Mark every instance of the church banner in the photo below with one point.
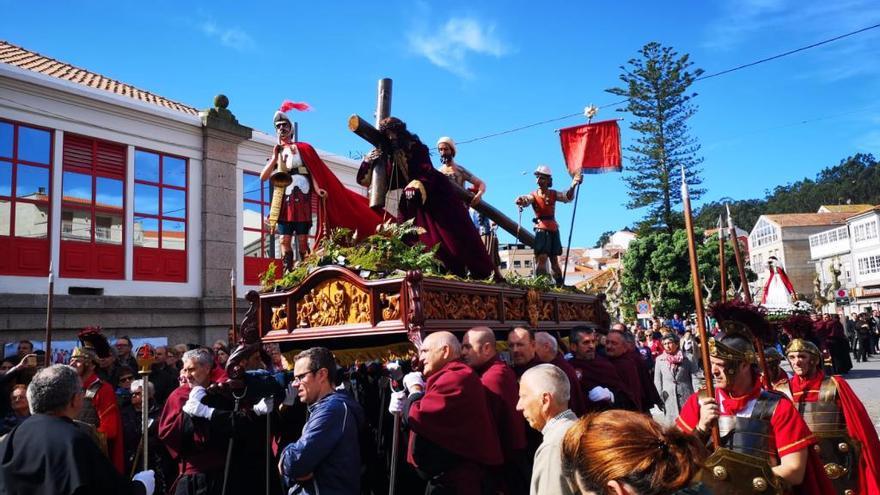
(592, 148)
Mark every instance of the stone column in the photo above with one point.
(222, 135)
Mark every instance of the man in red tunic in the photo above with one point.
(598, 377)
(478, 350)
(99, 405)
(548, 352)
(543, 200)
(453, 442)
(848, 443)
(650, 395)
(764, 441)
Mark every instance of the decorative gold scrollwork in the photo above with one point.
(334, 302)
(391, 306)
(460, 306)
(279, 318)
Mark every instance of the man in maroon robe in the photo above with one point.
(548, 352)
(598, 377)
(200, 451)
(523, 350)
(429, 199)
(628, 370)
(453, 442)
(478, 350)
(650, 396)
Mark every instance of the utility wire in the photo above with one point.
(701, 78)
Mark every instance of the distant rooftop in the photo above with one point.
(844, 208)
(25, 59)
(808, 219)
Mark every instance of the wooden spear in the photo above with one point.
(747, 297)
(740, 266)
(47, 361)
(698, 298)
(722, 268)
(234, 309)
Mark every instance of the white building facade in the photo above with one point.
(142, 206)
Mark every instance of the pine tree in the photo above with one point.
(657, 87)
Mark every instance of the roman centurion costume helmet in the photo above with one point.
(93, 345)
(741, 323)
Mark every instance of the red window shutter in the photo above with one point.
(78, 154)
(110, 160)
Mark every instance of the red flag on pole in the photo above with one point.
(592, 148)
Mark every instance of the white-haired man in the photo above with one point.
(548, 352)
(50, 454)
(543, 400)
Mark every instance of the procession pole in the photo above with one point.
(698, 298)
(146, 356)
(48, 357)
(577, 191)
(740, 266)
(722, 265)
(234, 309)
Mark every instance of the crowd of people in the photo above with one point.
(533, 413)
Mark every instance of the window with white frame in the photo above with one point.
(758, 263)
(865, 231)
(764, 233)
(869, 265)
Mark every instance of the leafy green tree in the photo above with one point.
(604, 238)
(656, 268)
(657, 87)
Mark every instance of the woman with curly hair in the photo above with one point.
(628, 453)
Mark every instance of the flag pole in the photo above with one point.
(577, 191)
(698, 298)
(722, 266)
(234, 309)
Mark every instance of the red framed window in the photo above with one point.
(25, 198)
(92, 208)
(160, 216)
(260, 248)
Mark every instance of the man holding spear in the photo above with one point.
(760, 441)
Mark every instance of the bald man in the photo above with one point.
(548, 352)
(523, 350)
(478, 350)
(453, 443)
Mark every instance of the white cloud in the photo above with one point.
(232, 37)
(450, 47)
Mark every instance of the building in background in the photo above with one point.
(142, 205)
(786, 236)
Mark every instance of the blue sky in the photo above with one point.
(468, 69)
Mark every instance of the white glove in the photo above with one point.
(395, 406)
(413, 378)
(148, 478)
(599, 394)
(290, 395)
(197, 393)
(197, 410)
(265, 406)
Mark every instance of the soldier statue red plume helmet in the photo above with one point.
(286, 106)
(800, 328)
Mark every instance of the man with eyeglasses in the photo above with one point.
(326, 459)
(124, 356)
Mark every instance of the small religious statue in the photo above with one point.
(296, 171)
(543, 201)
(778, 291)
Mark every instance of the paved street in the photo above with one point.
(865, 380)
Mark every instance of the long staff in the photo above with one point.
(146, 356)
(48, 358)
(722, 265)
(747, 297)
(698, 298)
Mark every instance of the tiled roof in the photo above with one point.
(25, 59)
(808, 219)
(865, 209)
(845, 208)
